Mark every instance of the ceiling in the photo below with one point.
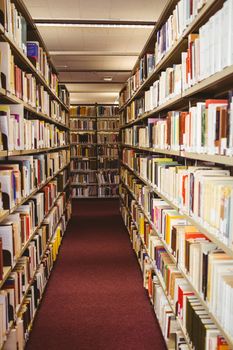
(84, 56)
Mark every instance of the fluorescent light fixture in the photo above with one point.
(87, 25)
(107, 78)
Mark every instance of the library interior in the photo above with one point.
(116, 175)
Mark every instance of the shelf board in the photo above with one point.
(35, 151)
(82, 171)
(82, 131)
(83, 144)
(153, 150)
(213, 158)
(79, 184)
(82, 117)
(107, 184)
(83, 157)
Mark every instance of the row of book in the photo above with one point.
(210, 50)
(108, 163)
(173, 29)
(94, 111)
(22, 291)
(108, 191)
(108, 138)
(85, 178)
(19, 133)
(15, 26)
(63, 94)
(194, 66)
(205, 128)
(108, 177)
(107, 111)
(18, 228)
(83, 151)
(93, 165)
(83, 137)
(81, 124)
(94, 191)
(108, 150)
(93, 137)
(201, 332)
(101, 177)
(83, 111)
(83, 164)
(105, 125)
(166, 37)
(22, 175)
(203, 192)
(170, 328)
(88, 191)
(25, 86)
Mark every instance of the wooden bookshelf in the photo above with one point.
(58, 97)
(212, 87)
(99, 132)
(197, 293)
(208, 9)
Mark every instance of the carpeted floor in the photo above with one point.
(95, 298)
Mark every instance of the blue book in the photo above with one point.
(33, 50)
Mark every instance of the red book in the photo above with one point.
(208, 102)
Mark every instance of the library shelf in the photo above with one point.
(201, 227)
(168, 250)
(207, 10)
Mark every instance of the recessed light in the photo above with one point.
(107, 78)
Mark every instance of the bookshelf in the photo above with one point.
(35, 201)
(168, 150)
(94, 151)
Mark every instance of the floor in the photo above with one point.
(95, 298)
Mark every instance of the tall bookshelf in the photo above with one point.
(176, 188)
(35, 202)
(94, 151)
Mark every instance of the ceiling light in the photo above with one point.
(92, 25)
(107, 78)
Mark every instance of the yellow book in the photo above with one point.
(172, 218)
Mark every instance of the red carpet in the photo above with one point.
(95, 299)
